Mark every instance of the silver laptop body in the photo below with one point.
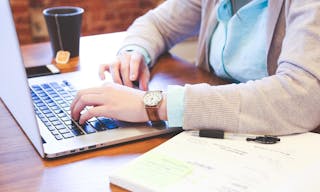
(16, 95)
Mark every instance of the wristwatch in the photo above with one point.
(152, 101)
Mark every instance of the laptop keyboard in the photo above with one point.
(52, 105)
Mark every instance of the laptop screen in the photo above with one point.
(14, 90)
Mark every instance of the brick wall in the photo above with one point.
(101, 16)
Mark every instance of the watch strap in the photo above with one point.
(152, 112)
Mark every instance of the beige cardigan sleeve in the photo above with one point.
(163, 27)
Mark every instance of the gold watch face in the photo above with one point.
(152, 98)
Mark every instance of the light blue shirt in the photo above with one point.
(238, 45)
(237, 50)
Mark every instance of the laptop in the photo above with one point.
(40, 105)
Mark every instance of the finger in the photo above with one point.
(85, 101)
(144, 80)
(115, 71)
(124, 69)
(98, 111)
(84, 92)
(135, 62)
(102, 69)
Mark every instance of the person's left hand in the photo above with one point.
(112, 101)
(128, 67)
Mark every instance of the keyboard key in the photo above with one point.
(88, 128)
(48, 115)
(108, 123)
(36, 87)
(65, 105)
(60, 126)
(67, 135)
(58, 137)
(56, 123)
(69, 122)
(75, 130)
(46, 111)
(65, 119)
(62, 131)
(41, 116)
(44, 107)
(55, 132)
(50, 127)
(61, 113)
(54, 107)
(53, 118)
(40, 104)
(98, 126)
(47, 123)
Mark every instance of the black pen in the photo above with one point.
(220, 134)
(212, 133)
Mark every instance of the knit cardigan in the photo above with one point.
(285, 102)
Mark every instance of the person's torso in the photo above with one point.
(237, 49)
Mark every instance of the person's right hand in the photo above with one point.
(127, 68)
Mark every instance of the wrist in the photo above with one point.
(163, 107)
(144, 115)
(155, 105)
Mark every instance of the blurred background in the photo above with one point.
(101, 16)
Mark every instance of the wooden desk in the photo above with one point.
(22, 169)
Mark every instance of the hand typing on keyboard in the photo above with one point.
(52, 106)
(113, 101)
